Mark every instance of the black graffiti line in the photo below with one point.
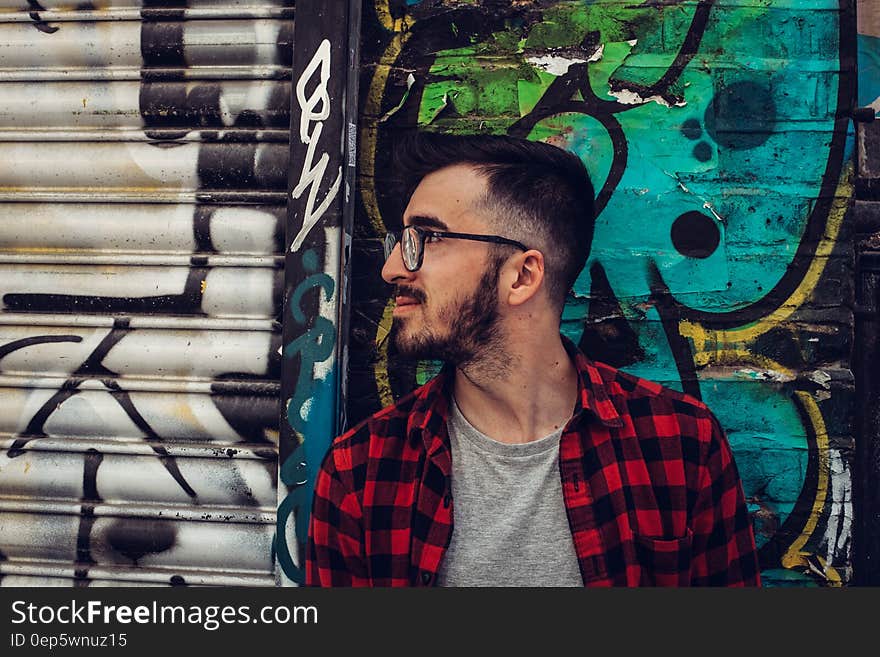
(34, 427)
(94, 363)
(202, 216)
(770, 554)
(91, 463)
(169, 462)
(689, 48)
(39, 23)
(608, 335)
(670, 317)
(187, 301)
(619, 160)
(93, 459)
(557, 99)
(619, 144)
(15, 345)
(91, 367)
(83, 536)
(595, 106)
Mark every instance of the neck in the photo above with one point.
(521, 393)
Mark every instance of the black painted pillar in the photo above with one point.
(316, 279)
(866, 357)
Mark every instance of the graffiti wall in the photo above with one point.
(719, 138)
(143, 172)
(182, 331)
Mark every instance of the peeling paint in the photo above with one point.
(410, 81)
(629, 97)
(559, 64)
(821, 377)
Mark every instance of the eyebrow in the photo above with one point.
(423, 221)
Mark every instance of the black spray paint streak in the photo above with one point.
(170, 464)
(136, 539)
(188, 302)
(39, 23)
(558, 99)
(771, 553)
(15, 345)
(608, 336)
(689, 48)
(92, 368)
(90, 497)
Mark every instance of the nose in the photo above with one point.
(393, 271)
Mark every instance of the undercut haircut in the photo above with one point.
(537, 194)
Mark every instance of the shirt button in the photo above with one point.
(426, 577)
(447, 500)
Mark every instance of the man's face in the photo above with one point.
(448, 309)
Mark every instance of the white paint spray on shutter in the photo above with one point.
(143, 176)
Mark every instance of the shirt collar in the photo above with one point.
(430, 409)
(592, 389)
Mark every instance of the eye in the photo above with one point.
(434, 237)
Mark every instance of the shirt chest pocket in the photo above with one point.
(664, 561)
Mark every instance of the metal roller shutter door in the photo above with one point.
(143, 171)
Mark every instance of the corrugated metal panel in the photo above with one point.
(143, 176)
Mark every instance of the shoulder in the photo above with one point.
(388, 434)
(656, 410)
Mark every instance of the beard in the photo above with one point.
(474, 326)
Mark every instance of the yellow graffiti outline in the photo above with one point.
(733, 357)
(367, 159)
(383, 384)
(702, 336)
(372, 107)
(795, 556)
(723, 351)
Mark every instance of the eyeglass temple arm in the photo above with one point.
(483, 238)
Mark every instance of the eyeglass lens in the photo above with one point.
(410, 243)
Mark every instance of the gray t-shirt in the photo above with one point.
(510, 527)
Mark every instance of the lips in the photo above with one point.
(407, 297)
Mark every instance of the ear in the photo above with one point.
(525, 277)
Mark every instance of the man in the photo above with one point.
(522, 463)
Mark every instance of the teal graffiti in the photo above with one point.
(293, 475)
(299, 471)
(310, 412)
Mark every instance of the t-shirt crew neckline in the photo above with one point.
(487, 444)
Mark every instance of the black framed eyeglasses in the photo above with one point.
(412, 243)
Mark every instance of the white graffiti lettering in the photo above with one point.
(314, 109)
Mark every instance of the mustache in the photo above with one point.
(406, 291)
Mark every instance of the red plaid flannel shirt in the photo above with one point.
(651, 490)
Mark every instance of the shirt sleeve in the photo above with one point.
(724, 550)
(335, 548)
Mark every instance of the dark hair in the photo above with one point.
(537, 194)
